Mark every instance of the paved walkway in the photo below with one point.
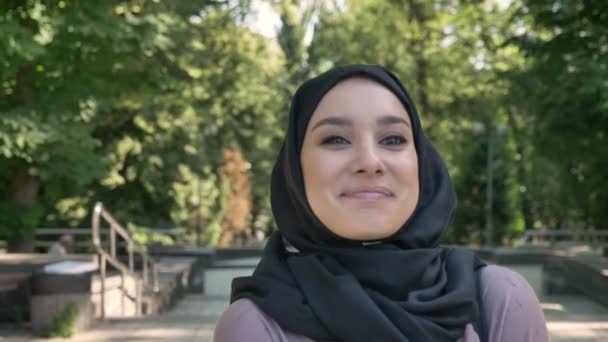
(575, 319)
(569, 318)
(193, 319)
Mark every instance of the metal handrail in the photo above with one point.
(106, 257)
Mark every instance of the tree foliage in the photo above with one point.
(135, 103)
(563, 87)
(129, 103)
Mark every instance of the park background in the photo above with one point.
(172, 112)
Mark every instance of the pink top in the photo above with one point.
(511, 312)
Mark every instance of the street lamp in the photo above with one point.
(480, 129)
(199, 228)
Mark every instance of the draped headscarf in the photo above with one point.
(329, 288)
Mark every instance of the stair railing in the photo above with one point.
(148, 264)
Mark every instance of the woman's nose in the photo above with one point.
(367, 159)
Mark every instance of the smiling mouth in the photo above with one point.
(368, 193)
(368, 196)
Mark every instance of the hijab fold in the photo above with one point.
(403, 288)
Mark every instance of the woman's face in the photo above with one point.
(359, 161)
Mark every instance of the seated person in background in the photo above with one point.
(63, 246)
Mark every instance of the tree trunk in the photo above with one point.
(418, 14)
(25, 189)
(522, 175)
(421, 80)
(25, 194)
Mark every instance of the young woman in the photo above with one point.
(361, 199)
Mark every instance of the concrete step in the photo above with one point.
(120, 295)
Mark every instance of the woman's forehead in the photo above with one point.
(361, 98)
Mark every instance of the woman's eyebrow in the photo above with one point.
(392, 119)
(381, 121)
(333, 120)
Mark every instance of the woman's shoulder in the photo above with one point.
(510, 307)
(499, 284)
(243, 320)
(499, 278)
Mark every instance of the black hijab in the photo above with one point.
(404, 288)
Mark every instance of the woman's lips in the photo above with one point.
(367, 193)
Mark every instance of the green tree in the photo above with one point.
(165, 146)
(55, 57)
(129, 103)
(563, 89)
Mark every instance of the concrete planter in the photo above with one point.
(53, 293)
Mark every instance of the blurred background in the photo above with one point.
(171, 113)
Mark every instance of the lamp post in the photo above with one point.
(480, 129)
(199, 227)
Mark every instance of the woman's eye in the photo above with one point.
(394, 140)
(334, 140)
